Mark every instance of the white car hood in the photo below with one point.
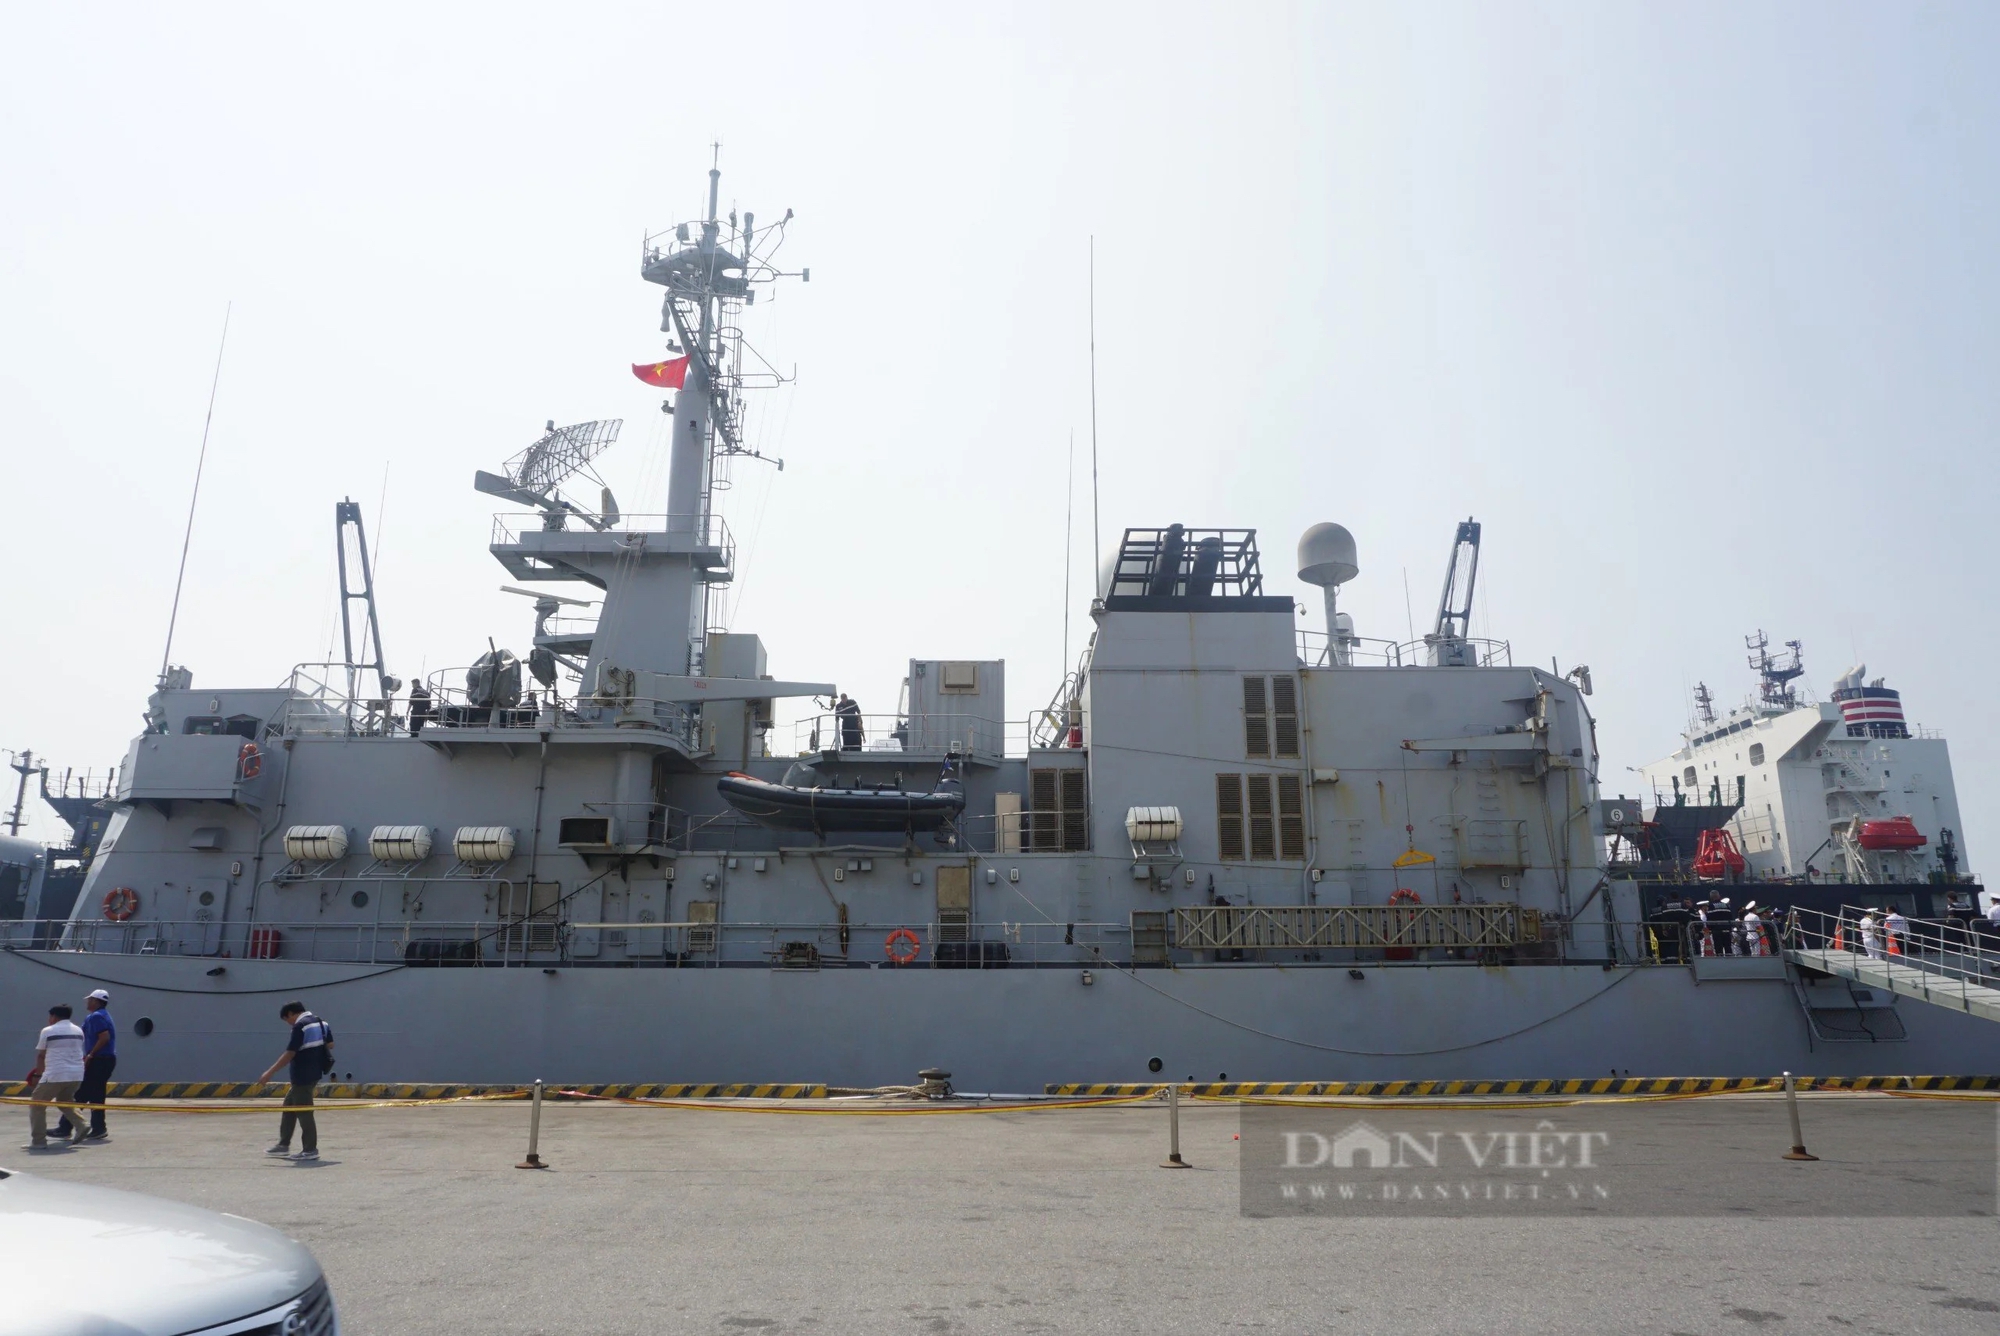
(100, 1262)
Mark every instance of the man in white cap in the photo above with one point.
(100, 1055)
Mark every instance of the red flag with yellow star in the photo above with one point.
(669, 375)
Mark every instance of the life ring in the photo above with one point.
(1403, 895)
(905, 937)
(120, 903)
(249, 761)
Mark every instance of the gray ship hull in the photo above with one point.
(996, 1030)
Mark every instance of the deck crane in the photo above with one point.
(1447, 645)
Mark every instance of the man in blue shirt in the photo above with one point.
(100, 1056)
(310, 1054)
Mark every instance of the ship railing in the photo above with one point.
(939, 941)
(514, 527)
(320, 704)
(1966, 950)
(557, 628)
(872, 737)
(1680, 941)
(453, 707)
(1317, 650)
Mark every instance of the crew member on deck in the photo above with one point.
(849, 715)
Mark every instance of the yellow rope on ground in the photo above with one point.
(1485, 1102)
(876, 1111)
(155, 1106)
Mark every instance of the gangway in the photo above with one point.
(1946, 964)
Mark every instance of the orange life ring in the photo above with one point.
(1403, 895)
(249, 761)
(120, 903)
(907, 938)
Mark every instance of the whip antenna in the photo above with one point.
(200, 461)
(1096, 534)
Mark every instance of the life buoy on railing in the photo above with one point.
(120, 903)
(902, 937)
(1403, 895)
(249, 761)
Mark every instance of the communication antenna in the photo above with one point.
(1704, 701)
(1096, 533)
(1776, 672)
(532, 476)
(201, 460)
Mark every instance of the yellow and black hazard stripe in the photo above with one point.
(1603, 1085)
(426, 1091)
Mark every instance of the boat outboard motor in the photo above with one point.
(1167, 570)
(1207, 562)
(494, 681)
(803, 775)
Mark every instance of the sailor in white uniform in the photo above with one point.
(1871, 935)
(1753, 931)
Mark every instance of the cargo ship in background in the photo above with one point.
(1227, 848)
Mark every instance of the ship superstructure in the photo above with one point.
(1841, 789)
(1226, 847)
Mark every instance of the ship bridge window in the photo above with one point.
(211, 725)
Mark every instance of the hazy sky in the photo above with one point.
(1691, 305)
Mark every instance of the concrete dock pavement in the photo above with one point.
(692, 1220)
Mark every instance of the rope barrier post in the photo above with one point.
(1798, 1150)
(534, 1161)
(1174, 1160)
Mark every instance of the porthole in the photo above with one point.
(1756, 753)
(359, 899)
(143, 1026)
(207, 897)
(1154, 1064)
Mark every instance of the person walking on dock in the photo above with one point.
(58, 1070)
(310, 1053)
(100, 1056)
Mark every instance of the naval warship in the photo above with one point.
(1228, 847)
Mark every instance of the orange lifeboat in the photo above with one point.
(1896, 832)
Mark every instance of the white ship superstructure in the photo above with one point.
(1842, 790)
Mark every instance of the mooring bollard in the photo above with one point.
(1174, 1160)
(534, 1161)
(1798, 1150)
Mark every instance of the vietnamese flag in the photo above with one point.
(669, 375)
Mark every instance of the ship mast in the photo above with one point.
(710, 269)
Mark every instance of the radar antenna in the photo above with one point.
(563, 452)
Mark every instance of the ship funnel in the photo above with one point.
(1327, 558)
